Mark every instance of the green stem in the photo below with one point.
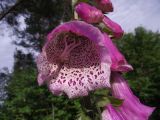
(74, 12)
(87, 107)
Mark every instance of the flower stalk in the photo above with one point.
(75, 15)
(79, 58)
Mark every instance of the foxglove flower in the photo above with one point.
(119, 62)
(110, 113)
(74, 60)
(114, 27)
(104, 5)
(88, 13)
(131, 106)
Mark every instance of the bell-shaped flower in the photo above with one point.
(88, 13)
(114, 27)
(104, 5)
(131, 107)
(119, 62)
(74, 60)
(110, 113)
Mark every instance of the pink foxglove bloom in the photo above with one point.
(119, 62)
(74, 60)
(110, 113)
(104, 5)
(131, 108)
(114, 27)
(88, 13)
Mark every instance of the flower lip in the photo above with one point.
(78, 27)
(88, 65)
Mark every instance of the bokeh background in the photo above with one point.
(24, 25)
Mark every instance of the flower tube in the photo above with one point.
(74, 60)
(119, 62)
(110, 113)
(114, 27)
(131, 107)
(88, 13)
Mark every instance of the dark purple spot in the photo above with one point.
(91, 72)
(69, 84)
(59, 81)
(70, 80)
(74, 83)
(64, 81)
(95, 76)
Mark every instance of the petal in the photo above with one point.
(114, 27)
(89, 64)
(44, 68)
(89, 13)
(131, 107)
(119, 62)
(104, 5)
(110, 113)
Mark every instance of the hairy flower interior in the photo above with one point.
(64, 57)
(71, 51)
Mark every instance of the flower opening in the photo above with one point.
(74, 61)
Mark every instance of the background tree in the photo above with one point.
(4, 79)
(41, 16)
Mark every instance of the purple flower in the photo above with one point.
(119, 62)
(110, 113)
(89, 13)
(114, 27)
(131, 107)
(104, 5)
(74, 60)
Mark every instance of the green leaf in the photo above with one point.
(115, 102)
(82, 116)
(101, 92)
(103, 27)
(83, 0)
(103, 102)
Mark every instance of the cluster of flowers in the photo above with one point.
(79, 57)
